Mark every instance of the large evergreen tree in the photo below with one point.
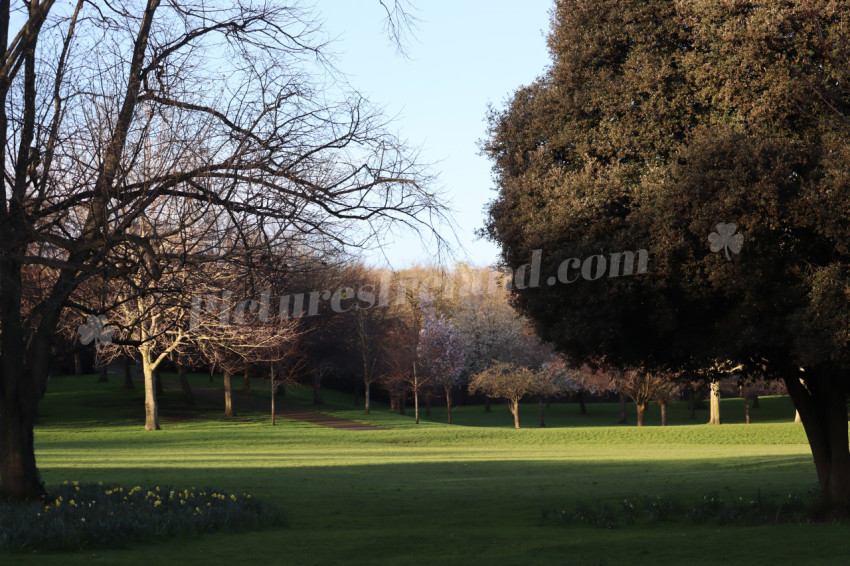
(657, 121)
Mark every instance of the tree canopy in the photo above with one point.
(658, 124)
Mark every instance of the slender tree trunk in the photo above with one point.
(663, 405)
(184, 385)
(228, 396)
(151, 405)
(246, 381)
(747, 409)
(515, 411)
(78, 364)
(540, 412)
(128, 375)
(449, 404)
(623, 416)
(641, 412)
(692, 402)
(714, 418)
(393, 402)
(416, 403)
(366, 397)
(102, 376)
(273, 387)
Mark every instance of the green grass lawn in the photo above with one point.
(470, 493)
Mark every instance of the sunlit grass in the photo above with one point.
(462, 494)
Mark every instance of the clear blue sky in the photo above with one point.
(465, 54)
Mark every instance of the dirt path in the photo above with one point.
(262, 405)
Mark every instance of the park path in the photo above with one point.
(262, 405)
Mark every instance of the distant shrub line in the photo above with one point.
(711, 509)
(96, 516)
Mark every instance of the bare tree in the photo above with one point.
(89, 88)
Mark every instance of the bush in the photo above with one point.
(709, 509)
(98, 516)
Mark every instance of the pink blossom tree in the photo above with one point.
(440, 350)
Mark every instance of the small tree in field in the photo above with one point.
(507, 381)
(440, 351)
(553, 379)
(642, 387)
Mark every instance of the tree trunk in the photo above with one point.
(228, 396)
(747, 409)
(23, 381)
(367, 386)
(416, 403)
(246, 381)
(151, 406)
(102, 376)
(692, 403)
(20, 477)
(184, 385)
(515, 411)
(158, 383)
(449, 404)
(128, 375)
(317, 389)
(540, 413)
(663, 405)
(714, 418)
(822, 404)
(78, 364)
(272, 387)
(623, 416)
(641, 412)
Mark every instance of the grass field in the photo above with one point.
(470, 493)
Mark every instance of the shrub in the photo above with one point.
(97, 516)
(709, 509)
